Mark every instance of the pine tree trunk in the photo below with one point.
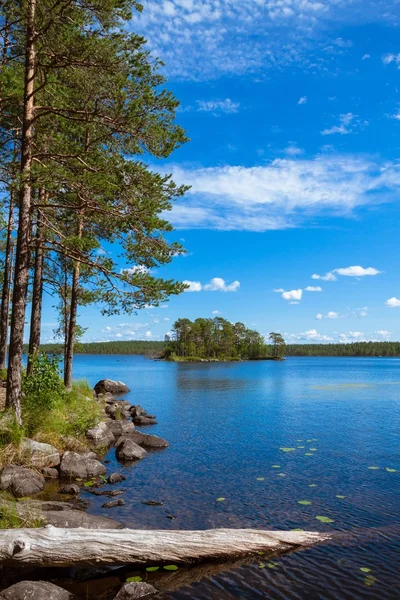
(5, 299)
(72, 317)
(37, 291)
(14, 381)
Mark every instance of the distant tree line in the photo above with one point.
(353, 349)
(139, 347)
(215, 339)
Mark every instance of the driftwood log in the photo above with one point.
(54, 547)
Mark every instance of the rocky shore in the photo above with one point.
(42, 466)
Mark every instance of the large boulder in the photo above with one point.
(127, 449)
(139, 589)
(113, 387)
(148, 441)
(39, 455)
(81, 466)
(100, 436)
(21, 481)
(35, 590)
(137, 411)
(119, 428)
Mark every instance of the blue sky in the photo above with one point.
(293, 110)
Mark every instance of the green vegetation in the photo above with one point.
(353, 349)
(214, 339)
(11, 518)
(145, 348)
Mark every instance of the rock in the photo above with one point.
(153, 503)
(142, 421)
(119, 428)
(39, 455)
(114, 387)
(127, 449)
(148, 441)
(21, 481)
(119, 502)
(36, 590)
(109, 493)
(71, 488)
(116, 478)
(81, 466)
(117, 412)
(50, 473)
(140, 589)
(137, 411)
(100, 436)
(78, 518)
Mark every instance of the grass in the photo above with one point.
(12, 518)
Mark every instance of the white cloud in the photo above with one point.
(330, 315)
(216, 312)
(383, 333)
(167, 319)
(328, 277)
(311, 335)
(387, 59)
(193, 286)
(366, 56)
(135, 269)
(293, 150)
(344, 127)
(393, 302)
(217, 284)
(148, 334)
(216, 107)
(293, 295)
(396, 116)
(282, 194)
(351, 336)
(302, 100)
(357, 271)
(311, 288)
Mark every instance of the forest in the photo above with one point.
(83, 106)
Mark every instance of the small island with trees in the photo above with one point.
(219, 340)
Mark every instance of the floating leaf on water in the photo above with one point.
(312, 485)
(171, 568)
(365, 569)
(152, 569)
(276, 466)
(301, 447)
(369, 580)
(131, 579)
(260, 478)
(282, 475)
(390, 470)
(287, 449)
(304, 502)
(313, 449)
(325, 519)
(299, 441)
(88, 484)
(308, 454)
(309, 441)
(341, 497)
(272, 565)
(373, 468)
(220, 499)
(261, 565)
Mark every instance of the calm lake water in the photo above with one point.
(226, 424)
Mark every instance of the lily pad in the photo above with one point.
(304, 502)
(365, 569)
(390, 470)
(132, 579)
(276, 466)
(152, 569)
(88, 484)
(312, 485)
(171, 568)
(325, 519)
(220, 499)
(369, 580)
(299, 441)
(261, 565)
(272, 565)
(288, 449)
(373, 468)
(260, 478)
(313, 449)
(341, 497)
(308, 454)
(282, 475)
(301, 447)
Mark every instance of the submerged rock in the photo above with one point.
(39, 455)
(116, 478)
(108, 385)
(21, 481)
(100, 436)
(35, 590)
(71, 488)
(81, 466)
(148, 441)
(142, 421)
(113, 503)
(139, 589)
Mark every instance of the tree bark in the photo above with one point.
(5, 299)
(14, 380)
(56, 547)
(69, 355)
(37, 291)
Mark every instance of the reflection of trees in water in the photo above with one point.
(186, 382)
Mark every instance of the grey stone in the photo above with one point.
(116, 478)
(113, 503)
(40, 455)
(81, 466)
(137, 411)
(100, 436)
(77, 518)
(50, 473)
(119, 428)
(148, 441)
(114, 387)
(117, 412)
(35, 590)
(21, 481)
(142, 421)
(71, 488)
(130, 591)
(127, 449)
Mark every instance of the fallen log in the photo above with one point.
(55, 547)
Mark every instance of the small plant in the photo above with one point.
(11, 518)
(3, 374)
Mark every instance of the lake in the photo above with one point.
(226, 424)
